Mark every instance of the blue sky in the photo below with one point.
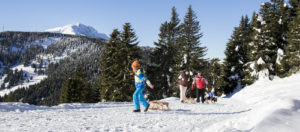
(217, 17)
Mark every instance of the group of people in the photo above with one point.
(140, 79)
(198, 81)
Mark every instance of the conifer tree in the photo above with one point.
(77, 89)
(215, 76)
(250, 70)
(191, 51)
(116, 83)
(283, 21)
(273, 33)
(165, 56)
(236, 57)
(292, 57)
(129, 52)
(110, 75)
(293, 9)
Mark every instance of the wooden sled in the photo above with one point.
(163, 106)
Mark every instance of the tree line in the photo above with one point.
(264, 46)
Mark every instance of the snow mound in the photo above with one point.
(272, 103)
(19, 107)
(79, 29)
(283, 120)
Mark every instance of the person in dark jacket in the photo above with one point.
(184, 79)
(201, 84)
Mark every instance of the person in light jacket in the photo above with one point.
(184, 79)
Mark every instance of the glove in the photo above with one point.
(151, 86)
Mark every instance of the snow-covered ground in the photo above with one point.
(263, 106)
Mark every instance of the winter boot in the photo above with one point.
(146, 109)
(137, 110)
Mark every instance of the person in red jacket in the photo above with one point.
(201, 84)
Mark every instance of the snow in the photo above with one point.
(2, 79)
(258, 30)
(169, 80)
(185, 58)
(79, 29)
(252, 65)
(47, 41)
(267, 100)
(282, 120)
(251, 44)
(232, 69)
(280, 21)
(260, 19)
(263, 106)
(263, 75)
(191, 73)
(30, 73)
(237, 48)
(35, 80)
(279, 56)
(260, 61)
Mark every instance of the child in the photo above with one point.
(140, 80)
(211, 96)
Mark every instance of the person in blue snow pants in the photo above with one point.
(140, 80)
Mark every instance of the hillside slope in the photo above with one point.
(34, 65)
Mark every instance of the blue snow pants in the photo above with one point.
(138, 96)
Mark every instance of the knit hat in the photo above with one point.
(135, 65)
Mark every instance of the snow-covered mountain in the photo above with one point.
(79, 29)
(33, 60)
(265, 106)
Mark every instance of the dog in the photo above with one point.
(192, 100)
(210, 99)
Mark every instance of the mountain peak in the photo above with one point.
(79, 29)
